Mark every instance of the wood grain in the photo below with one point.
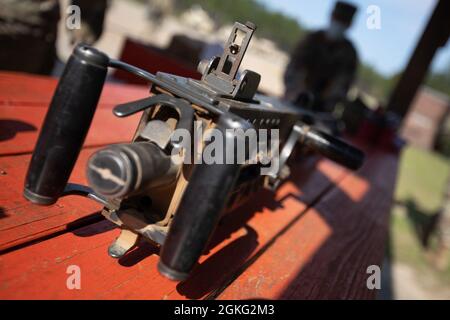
(326, 253)
(24, 100)
(39, 270)
(312, 239)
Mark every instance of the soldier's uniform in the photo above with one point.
(322, 65)
(28, 31)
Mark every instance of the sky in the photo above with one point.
(387, 49)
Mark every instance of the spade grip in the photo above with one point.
(66, 125)
(200, 208)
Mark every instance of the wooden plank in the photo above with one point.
(311, 243)
(22, 221)
(33, 90)
(326, 253)
(38, 271)
(20, 125)
(24, 100)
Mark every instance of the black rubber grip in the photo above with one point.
(66, 125)
(199, 210)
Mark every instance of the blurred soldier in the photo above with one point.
(28, 31)
(324, 63)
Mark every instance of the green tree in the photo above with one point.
(286, 31)
(283, 30)
(440, 80)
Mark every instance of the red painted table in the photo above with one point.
(313, 239)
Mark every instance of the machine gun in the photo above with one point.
(153, 187)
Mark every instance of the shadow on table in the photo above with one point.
(326, 273)
(141, 251)
(214, 274)
(209, 275)
(424, 222)
(90, 225)
(218, 269)
(9, 128)
(3, 213)
(358, 223)
(95, 224)
(359, 228)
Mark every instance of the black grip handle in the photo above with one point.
(200, 208)
(66, 125)
(332, 148)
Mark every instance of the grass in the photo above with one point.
(421, 182)
(422, 177)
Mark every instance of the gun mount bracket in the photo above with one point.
(124, 242)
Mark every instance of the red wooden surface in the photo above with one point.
(24, 101)
(151, 59)
(313, 239)
(326, 252)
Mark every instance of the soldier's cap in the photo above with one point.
(344, 12)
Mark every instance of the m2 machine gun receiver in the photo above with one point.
(154, 188)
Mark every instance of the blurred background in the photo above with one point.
(174, 35)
